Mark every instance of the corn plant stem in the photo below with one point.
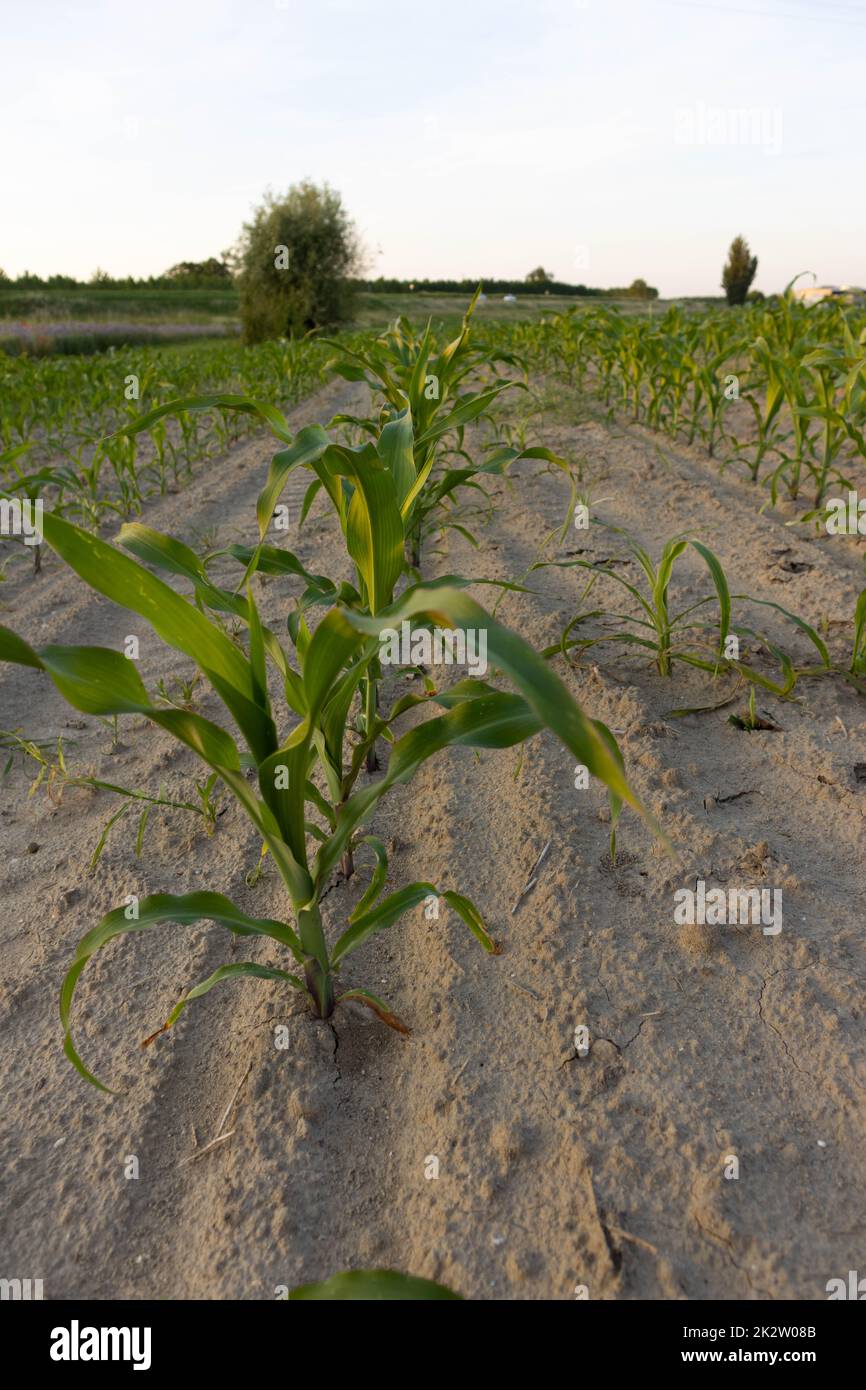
(825, 466)
(413, 546)
(317, 970)
(347, 859)
(371, 709)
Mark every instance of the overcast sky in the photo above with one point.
(604, 139)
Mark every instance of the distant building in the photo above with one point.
(812, 294)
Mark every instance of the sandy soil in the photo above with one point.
(554, 1171)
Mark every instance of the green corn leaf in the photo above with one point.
(377, 880)
(418, 378)
(166, 553)
(221, 401)
(392, 908)
(476, 722)
(185, 909)
(395, 447)
(373, 524)
(859, 629)
(273, 559)
(309, 498)
(499, 462)
(722, 590)
(230, 972)
(495, 721)
(332, 645)
(13, 648)
(95, 680)
(98, 681)
(257, 657)
(322, 806)
(308, 446)
(291, 764)
(464, 532)
(347, 370)
(373, 1286)
(670, 554)
(799, 622)
(336, 712)
(176, 621)
(541, 688)
(462, 414)
(467, 910)
(614, 801)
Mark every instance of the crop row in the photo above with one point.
(62, 418)
(312, 736)
(776, 389)
(309, 788)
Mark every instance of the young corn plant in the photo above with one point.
(853, 672)
(375, 490)
(405, 371)
(305, 780)
(858, 648)
(661, 631)
(832, 408)
(752, 721)
(671, 638)
(19, 487)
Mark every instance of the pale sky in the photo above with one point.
(603, 139)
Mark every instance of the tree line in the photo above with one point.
(299, 263)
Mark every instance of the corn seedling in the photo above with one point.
(853, 672)
(375, 489)
(332, 662)
(671, 638)
(752, 721)
(409, 373)
(661, 632)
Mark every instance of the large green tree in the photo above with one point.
(297, 256)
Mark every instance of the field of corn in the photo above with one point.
(366, 957)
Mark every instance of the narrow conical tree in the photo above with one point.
(739, 271)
